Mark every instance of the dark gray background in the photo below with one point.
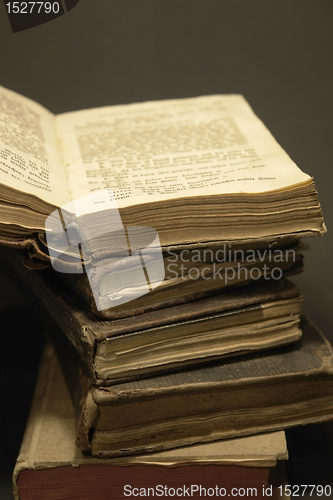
(278, 54)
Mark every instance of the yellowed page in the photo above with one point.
(30, 158)
(169, 149)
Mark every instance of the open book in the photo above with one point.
(196, 170)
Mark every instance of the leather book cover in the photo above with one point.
(271, 391)
(49, 463)
(185, 289)
(89, 337)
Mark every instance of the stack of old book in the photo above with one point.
(50, 466)
(167, 230)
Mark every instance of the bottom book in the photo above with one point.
(50, 466)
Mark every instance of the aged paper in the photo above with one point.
(30, 159)
(172, 149)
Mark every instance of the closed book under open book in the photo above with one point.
(50, 466)
(268, 391)
(239, 321)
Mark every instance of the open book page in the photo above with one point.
(170, 149)
(30, 159)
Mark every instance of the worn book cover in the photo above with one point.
(50, 466)
(274, 390)
(226, 324)
(190, 273)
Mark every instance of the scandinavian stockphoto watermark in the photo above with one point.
(87, 235)
(228, 264)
